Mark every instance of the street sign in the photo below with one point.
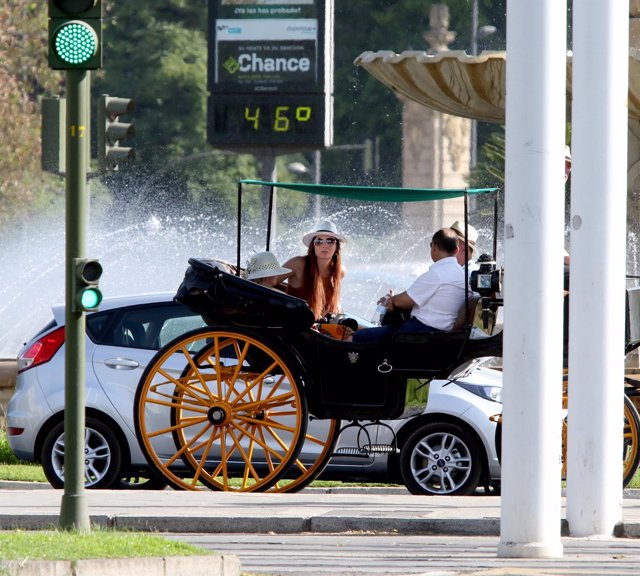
(270, 74)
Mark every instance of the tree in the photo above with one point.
(24, 76)
(364, 108)
(156, 53)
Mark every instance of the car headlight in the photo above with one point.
(486, 391)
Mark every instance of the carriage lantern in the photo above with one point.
(487, 280)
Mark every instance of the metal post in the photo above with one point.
(534, 239)
(238, 232)
(74, 512)
(598, 266)
(473, 153)
(269, 173)
(317, 199)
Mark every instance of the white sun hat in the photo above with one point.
(472, 234)
(327, 228)
(263, 265)
(567, 153)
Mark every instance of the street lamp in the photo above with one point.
(476, 34)
(302, 169)
(298, 168)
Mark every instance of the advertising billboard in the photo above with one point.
(270, 73)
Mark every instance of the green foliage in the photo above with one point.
(22, 473)
(489, 170)
(13, 469)
(24, 76)
(364, 107)
(72, 545)
(156, 53)
(6, 455)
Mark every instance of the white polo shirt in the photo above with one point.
(439, 294)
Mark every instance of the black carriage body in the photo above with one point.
(342, 379)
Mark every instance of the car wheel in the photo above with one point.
(102, 460)
(441, 458)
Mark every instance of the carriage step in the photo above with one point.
(379, 448)
(364, 451)
(356, 452)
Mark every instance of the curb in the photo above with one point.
(214, 565)
(406, 526)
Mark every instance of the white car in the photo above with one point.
(448, 449)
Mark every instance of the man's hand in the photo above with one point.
(384, 301)
(401, 301)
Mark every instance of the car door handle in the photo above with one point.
(121, 364)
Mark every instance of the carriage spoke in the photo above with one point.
(235, 411)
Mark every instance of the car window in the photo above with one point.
(96, 324)
(175, 327)
(146, 326)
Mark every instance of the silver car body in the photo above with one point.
(114, 369)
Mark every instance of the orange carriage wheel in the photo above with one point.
(631, 437)
(220, 409)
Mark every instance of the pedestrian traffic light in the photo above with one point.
(86, 293)
(111, 131)
(75, 34)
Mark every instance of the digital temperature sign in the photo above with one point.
(267, 119)
(270, 73)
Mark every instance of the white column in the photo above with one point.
(598, 265)
(534, 221)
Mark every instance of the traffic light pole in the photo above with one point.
(74, 513)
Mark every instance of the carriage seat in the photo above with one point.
(467, 313)
(436, 353)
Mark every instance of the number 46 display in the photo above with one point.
(268, 119)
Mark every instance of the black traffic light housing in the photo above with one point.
(75, 34)
(52, 135)
(86, 292)
(111, 131)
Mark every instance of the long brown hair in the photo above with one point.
(313, 287)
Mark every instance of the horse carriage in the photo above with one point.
(245, 387)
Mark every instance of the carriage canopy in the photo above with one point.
(374, 193)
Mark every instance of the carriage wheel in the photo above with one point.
(230, 417)
(303, 474)
(631, 438)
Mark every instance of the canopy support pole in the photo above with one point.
(238, 235)
(270, 214)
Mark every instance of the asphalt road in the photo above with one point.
(377, 554)
(357, 532)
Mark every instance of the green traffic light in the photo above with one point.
(75, 43)
(90, 298)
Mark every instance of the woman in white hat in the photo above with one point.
(263, 268)
(317, 277)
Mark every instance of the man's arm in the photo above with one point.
(400, 301)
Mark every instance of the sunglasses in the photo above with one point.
(327, 241)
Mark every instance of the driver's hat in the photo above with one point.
(472, 235)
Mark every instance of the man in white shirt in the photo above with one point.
(434, 299)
